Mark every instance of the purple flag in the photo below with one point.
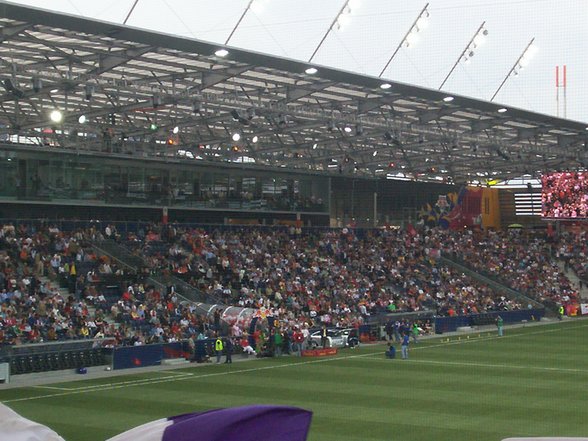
(248, 423)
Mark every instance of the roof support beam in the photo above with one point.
(115, 59)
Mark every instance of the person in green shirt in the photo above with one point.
(499, 325)
(415, 333)
(278, 342)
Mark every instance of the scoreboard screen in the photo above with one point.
(564, 195)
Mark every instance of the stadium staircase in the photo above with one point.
(136, 263)
(577, 283)
(496, 285)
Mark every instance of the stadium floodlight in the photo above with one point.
(410, 38)
(37, 84)
(311, 70)
(448, 99)
(518, 65)
(342, 18)
(236, 136)
(385, 86)
(469, 51)
(56, 116)
(502, 110)
(82, 119)
(197, 107)
(221, 53)
(419, 24)
(89, 91)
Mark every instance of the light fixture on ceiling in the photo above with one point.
(197, 107)
(56, 116)
(502, 110)
(37, 84)
(236, 136)
(347, 129)
(311, 70)
(175, 130)
(89, 91)
(82, 119)
(255, 139)
(385, 86)
(448, 99)
(156, 100)
(221, 53)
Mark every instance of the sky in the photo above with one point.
(375, 28)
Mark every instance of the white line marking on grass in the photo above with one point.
(487, 365)
(54, 387)
(179, 374)
(148, 381)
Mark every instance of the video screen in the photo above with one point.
(564, 195)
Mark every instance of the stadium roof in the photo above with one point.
(165, 94)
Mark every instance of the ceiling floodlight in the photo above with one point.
(315, 145)
(56, 116)
(375, 153)
(37, 84)
(448, 99)
(221, 53)
(176, 130)
(311, 70)
(82, 119)
(236, 136)
(348, 129)
(89, 91)
(385, 86)
(419, 24)
(255, 139)
(502, 110)
(411, 39)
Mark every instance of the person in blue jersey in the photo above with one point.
(404, 347)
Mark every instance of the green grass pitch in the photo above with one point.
(531, 382)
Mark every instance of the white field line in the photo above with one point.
(485, 365)
(179, 374)
(54, 387)
(124, 384)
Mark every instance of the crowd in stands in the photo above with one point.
(573, 251)
(522, 260)
(333, 277)
(339, 278)
(32, 266)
